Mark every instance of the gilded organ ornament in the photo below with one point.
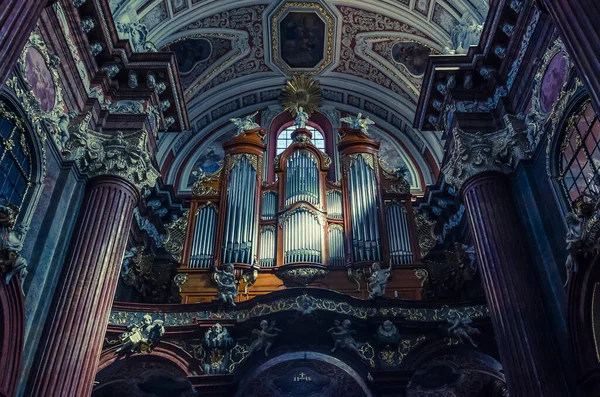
(301, 93)
(143, 337)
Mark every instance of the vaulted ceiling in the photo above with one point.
(235, 56)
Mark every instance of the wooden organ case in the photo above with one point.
(302, 229)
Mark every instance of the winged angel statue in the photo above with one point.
(245, 123)
(358, 123)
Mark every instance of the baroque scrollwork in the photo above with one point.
(296, 275)
(176, 235)
(475, 153)
(121, 155)
(425, 233)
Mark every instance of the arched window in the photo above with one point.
(15, 159)
(580, 153)
(284, 138)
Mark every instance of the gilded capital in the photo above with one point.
(475, 153)
(121, 155)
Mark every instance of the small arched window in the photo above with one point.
(284, 138)
(15, 159)
(580, 153)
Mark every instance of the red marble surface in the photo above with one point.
(70, 348)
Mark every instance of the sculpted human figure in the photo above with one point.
(226, 285)
(12, 238)
(378, 280)
(301, 118)
(148, 332)
(461, 328)
(342, 337)
(265, 336)
(388, 333)
(574, 240)
(217, 336)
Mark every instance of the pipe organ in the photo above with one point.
(301, 224)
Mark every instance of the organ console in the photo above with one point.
(302, 229)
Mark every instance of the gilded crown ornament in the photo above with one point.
(301, 93)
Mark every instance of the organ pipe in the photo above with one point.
(302, 178)
(364, 212)
(334, 204)
(336, 245)
(398, 235)
(240, 221)
(204, 236)
(269, 206)
(303, 242)
(267, 246)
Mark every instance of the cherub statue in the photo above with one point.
(531, 120)
(245, 123)
(342, 336)
(358, 123)
(461, 328)
(142, 337)
(12, 238)
(378, 280)
(217, 336)
(265, 336)
(226, 284)
(301, 118)
(388, 333)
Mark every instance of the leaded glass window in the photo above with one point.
(284, 139)
(15, 160)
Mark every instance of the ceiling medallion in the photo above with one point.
(302, 37)
(301, 91)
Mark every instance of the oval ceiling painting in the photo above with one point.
(553, 81)
(40, 79)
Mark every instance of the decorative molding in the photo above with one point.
(176, 236)
(296, 275)
(120, 155)
(425, 233)
(474, 153)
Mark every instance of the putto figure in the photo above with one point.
(143, 337)
(460, 328)
(265, 336)
(358, 123)
(342, 336)
(245, 123)
(226, 285)
(301, 118)
(378, 280)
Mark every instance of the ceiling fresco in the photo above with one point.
(235, 56)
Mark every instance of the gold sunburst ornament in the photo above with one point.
(301, 91)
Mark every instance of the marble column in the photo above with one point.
(17, 20)
(529, 352)
(70, 348)
(577, 24)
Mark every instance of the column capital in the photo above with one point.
(125, 156)
(475, 153)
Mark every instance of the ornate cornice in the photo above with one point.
(478, 152)
(121, 155)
